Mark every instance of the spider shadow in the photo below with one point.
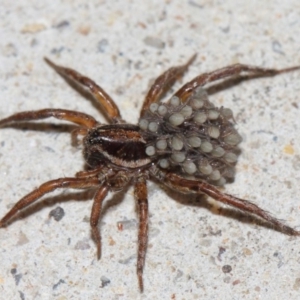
(42, 126)
(201, 201)
(50, 128)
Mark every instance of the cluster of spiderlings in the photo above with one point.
(193, 138)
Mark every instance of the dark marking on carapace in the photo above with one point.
(118, 144)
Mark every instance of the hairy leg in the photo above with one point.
(163, 82)
(95, 215)
(186, 185)
(75, 133)
(61, 114)
(108, 104)
(141, 196)
(184, 92)
(102, 173)
(89, 173)
(47, 187)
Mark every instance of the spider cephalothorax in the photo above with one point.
(122, 145)
(185, 143)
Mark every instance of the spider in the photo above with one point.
(186, 144)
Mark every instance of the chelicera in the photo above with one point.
(186, 143)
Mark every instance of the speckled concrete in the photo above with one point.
(197, 250)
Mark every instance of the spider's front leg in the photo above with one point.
(198, 186)
(163, 82)
(108, 104)
(230, 71)
(141, 196)
(47, 187)
(95, 216)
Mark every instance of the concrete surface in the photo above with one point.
(197, 250)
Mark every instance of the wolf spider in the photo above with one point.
(186, 143)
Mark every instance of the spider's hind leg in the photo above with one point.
(230, 71)
(186, 185)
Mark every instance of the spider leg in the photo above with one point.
(89, 173)
(141, 196)
(102, 173)
(61, 114)
(75, 133)
(163, 82)
(186, 185)
(47, 187)
(107, 103)
(184, 92)
(95, 215)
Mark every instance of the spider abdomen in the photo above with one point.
(193, 138)
(118, 144)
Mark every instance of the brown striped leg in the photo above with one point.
(89, 173)
(47, 187)
(108, 104)
(101, 172)
(75, 133)
(163, 82)
(141, 194)
(234, 70)
(61, 114)
(95, 215)
(186, 185)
